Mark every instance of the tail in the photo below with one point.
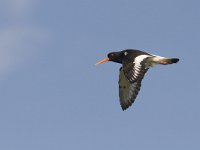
(166, 61)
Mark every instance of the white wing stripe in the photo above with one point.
(140, 58)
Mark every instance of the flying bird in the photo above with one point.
(135, 64)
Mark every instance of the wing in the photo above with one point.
(134, 69)
(127, 91)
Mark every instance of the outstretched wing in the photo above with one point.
(134, 69)
(127, 91)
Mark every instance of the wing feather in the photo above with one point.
(127, 91)
(135, 70)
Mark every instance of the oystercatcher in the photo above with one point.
(135, 64)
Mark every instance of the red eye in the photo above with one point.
(111, 55)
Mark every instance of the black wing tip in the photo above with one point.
(126, 106)
(175, 60)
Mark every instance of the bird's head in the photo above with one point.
(113, 56)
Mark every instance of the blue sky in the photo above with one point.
(53, 97)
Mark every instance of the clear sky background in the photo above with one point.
(52, 97)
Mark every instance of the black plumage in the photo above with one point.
(135, 64)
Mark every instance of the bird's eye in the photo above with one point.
(111, 55)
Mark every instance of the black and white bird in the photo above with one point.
(135, 64)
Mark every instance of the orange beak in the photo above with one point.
(102, 61)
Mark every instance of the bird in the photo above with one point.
(135, 63)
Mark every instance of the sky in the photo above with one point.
(53, 97)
